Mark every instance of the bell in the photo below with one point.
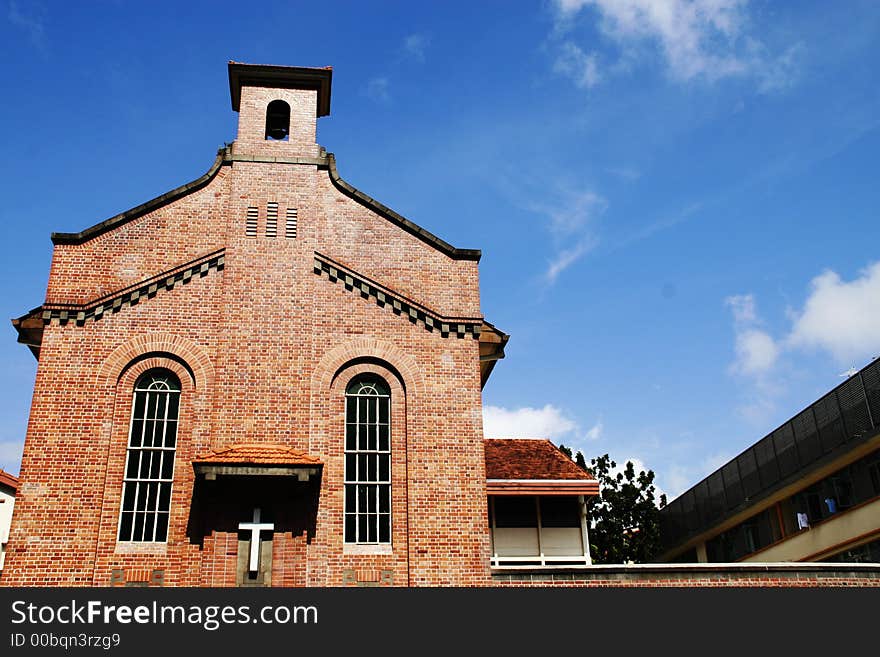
(277, 132)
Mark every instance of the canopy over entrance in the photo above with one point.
(257, 460)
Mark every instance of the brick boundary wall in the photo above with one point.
(695, 575)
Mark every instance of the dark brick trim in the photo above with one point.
(399, 304)
(224, 156)
(61, 313)
(389, 214)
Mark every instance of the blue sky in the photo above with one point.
(676, 201)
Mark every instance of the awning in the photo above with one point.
(257, 460)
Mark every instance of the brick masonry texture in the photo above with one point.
(264, 349)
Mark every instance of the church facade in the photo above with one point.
(266, 377)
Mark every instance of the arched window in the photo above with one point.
(368, 461)
(149, 464)
(278, 121)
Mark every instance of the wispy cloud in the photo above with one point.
(547, 422)
(595, 431)
(574, 63)
(696, 39)
(566, 258)
(629, 174)
(378, 90)
(32, 23)
(571, 224)
(415, 45)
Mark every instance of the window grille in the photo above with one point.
(272, 220)
(251, 222)
(290, 226)
(367, 462)
(149, 463)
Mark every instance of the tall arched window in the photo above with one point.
(368, 461)
(278, 121)
(149, 464)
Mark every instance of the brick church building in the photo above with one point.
(266, 377)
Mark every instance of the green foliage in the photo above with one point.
(624, 517)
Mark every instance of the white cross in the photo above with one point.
(255, 528)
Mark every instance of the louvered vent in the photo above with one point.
(272, 220)
(251, 223)
(290, 226)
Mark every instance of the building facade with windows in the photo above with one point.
(808, 491)
(266, 377)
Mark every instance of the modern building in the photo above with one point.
(807, 491)
(8, 486)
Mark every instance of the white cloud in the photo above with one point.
(595, 431)
(703, 39)
(377, 89)
(841, 317)
(415, 45)
(574, 63)
(756, 350)
(547, 422)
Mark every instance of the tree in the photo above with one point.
(624, 518)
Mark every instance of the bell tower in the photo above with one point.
(278, 108)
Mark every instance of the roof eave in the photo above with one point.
(284, 77)
(404, 223)
(223, 156)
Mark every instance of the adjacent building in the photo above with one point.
(807, 491)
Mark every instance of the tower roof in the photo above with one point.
(281, 77)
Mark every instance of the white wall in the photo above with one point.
(7, 501)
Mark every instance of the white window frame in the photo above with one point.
(149, 383)
(359, 479)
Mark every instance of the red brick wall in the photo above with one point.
(263, 349)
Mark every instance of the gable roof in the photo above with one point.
(520, 466)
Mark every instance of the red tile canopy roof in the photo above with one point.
(256, 454)
(521, 466)
(7, 479)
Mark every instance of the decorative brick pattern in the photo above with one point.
(264, 353)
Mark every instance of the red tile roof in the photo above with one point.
(257, 454)
(7, 479)
(534, 466)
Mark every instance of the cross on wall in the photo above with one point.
(255, 527)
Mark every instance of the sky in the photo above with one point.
(676, 200)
